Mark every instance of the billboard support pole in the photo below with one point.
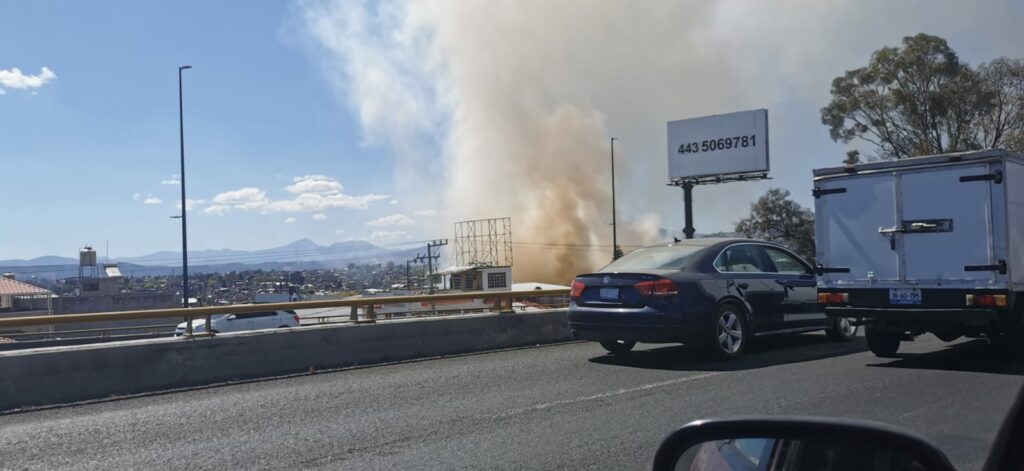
(688, 209)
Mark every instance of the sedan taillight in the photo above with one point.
(662, 287)
(576, 289)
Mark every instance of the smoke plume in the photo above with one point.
(505, 108)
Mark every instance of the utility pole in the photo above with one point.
(408, 279)
(430, 257)
(616, 253)
(184, 231)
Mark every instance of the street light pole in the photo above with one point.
(184, 225)
(615, 236)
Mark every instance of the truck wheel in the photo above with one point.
(843, 329)
(617, 347)
(882, 343)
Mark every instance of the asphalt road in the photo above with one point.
(565, 406)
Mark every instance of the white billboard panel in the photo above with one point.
(724, 144)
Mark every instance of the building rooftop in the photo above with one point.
(9, 287)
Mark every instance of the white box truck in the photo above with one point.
(928, 244)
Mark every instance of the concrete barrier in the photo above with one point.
(60, 375)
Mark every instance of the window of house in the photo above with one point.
(496, 280)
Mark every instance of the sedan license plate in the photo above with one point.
(609, 294)
(905, 296)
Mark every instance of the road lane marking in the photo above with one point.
(604, 395)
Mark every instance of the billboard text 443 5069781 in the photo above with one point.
(719, 145)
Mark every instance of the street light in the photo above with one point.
(184, 232)
(616, 253)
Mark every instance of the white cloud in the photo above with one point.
(314, 193)
(217, 209)
(14, 78)
(136, 196)
(289, 220)
(425, 212)
(317, 184)
(152, 200)
(171, 181)
(339, 231)
(384, 237)
(392, 220)
(2, 92)
(189, 203)
(394, 202)
(242, 196)
(319, 217)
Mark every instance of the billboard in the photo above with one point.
(724, 144)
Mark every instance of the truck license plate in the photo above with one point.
(905, 296)
(609, 294)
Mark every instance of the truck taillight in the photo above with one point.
(986, 300)
(662, 287)
(833, 298)
(576, 289)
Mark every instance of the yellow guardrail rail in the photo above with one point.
(502, 301)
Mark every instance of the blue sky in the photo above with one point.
(257, 114)
(388, 120)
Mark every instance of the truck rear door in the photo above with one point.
(849, 211)
(946, 224)
(911, 227)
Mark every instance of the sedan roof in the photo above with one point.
(709, 241)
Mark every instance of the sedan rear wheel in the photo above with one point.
(729, 330)
(617, 347)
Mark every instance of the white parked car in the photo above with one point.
(222, 323)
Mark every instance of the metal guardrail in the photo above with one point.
(502, 303)
(153, 329)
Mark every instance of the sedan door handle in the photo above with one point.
(785, 284)
(742, 285)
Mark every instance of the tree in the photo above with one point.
(852, 158)
(1003, 123)
(920, 99)
(776, 218)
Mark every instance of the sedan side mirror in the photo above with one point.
(797, 443)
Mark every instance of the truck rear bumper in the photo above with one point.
(959, 314)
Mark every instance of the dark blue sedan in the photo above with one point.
(715, 292)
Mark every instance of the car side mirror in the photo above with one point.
(231, 317)
(797, 443)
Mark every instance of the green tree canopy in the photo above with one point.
(776, 218)
(921, 99)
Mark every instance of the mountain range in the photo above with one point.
(302, 254)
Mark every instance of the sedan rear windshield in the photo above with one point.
(673, 257)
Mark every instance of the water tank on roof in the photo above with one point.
(87, 257)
